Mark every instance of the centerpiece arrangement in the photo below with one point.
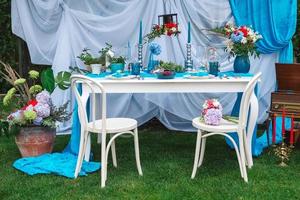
(35, 115)
(241, 43)
(167, 70)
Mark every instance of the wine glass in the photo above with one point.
(201, 58)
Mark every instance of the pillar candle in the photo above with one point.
(189, 32)
(292, 131)
(141, 33)
(283, 122)
(274, 129)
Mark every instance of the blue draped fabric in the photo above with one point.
(274, 20)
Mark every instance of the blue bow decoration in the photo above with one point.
(155, 49)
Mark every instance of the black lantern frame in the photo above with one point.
(167, 19)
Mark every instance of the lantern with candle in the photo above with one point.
(167, 25)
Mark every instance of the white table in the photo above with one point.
(183, 85)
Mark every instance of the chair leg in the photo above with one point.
(87, 151)
(202, 151)
(80, 155)
(103, 160)
(113, 152)
(196, 159)
(137, 151)
(242, 154)
(248, 151)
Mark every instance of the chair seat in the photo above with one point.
(113, 125)
(225, 126)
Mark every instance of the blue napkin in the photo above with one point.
(232, 74)
(198, 73)
(102, 75)
(120, 74)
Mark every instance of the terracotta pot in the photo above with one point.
(34, 141)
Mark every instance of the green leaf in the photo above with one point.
(63, 80)
(47, 79)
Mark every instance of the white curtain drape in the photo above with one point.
(56, 31)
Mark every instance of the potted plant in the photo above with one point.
(167, 70)
(117, 64)
(35, 116)
(98, 63)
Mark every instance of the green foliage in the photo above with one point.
(88, 59)
(167, 158)
(120, 59)
(4, 128)
(170, 66)
(63, 80)
(47, 80)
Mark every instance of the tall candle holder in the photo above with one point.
(140, 54)
(188, 61)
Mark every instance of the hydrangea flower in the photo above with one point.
(35, 89)
(20, 81)
(33, 74)
(16, 116)
(42, 110)
(30, 115)
(38, 121)
(213, 116)
(9, 95)
(155, 48)
(237, 38)
(43, 97)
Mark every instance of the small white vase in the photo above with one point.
(96, 68)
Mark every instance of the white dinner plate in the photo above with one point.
(120, 78)
(198, 77)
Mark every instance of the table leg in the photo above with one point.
(251, 127)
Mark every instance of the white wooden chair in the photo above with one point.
(112, 126)
(224, 128)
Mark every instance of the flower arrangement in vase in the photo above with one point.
(35, 115)
(241, 43)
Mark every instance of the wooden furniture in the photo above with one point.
(224, 128)
(182, 85)
(112, 126)
(287, 95)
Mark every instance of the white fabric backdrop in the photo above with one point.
(56, 31)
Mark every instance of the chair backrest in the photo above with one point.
(92, 88)
(245, 102)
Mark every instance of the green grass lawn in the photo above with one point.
(167, 159)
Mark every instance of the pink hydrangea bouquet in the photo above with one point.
(212, 112)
